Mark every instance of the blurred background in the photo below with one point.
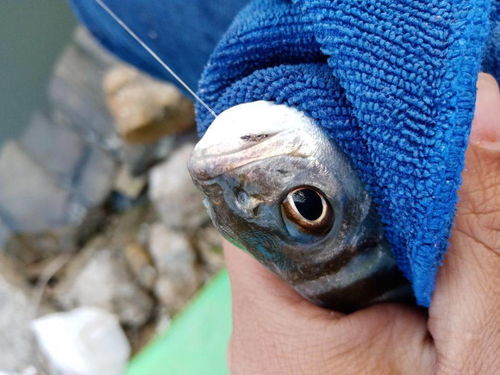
(104, 240)
(32, 34)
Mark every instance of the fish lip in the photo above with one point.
(207, 166)
(243, 148)
(250, 132)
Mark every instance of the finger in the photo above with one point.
(259, 293)
(486, 124)
(277, 331)
(464, 314)
(272, 324)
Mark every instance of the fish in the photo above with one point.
(277, 187)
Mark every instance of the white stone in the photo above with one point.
(100, 277)
(85, 341)
(175, 261)
(17, 309)
(28, 194)
(173, 193)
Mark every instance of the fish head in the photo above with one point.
(276, 186)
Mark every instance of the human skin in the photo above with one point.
(275, 331)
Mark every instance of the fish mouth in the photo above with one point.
(205, 166)
(245, 134)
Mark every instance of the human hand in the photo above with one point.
(275, 331)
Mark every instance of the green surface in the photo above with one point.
(196, 342)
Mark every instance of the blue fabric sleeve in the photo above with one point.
(183, 33)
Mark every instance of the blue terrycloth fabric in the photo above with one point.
(392, 81)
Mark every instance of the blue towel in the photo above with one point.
(391, 81)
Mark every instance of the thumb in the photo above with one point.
(464, 313)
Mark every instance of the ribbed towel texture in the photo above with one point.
(391, 81)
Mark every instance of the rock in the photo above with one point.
(35, 247)
(95, 177)
(173, 193)
(141, 265)
(76, 95)
(132, 226)
(140, 158)
(55, 147)
(145, 109)
(175, 261)
(76, 92)
(80, 167)
(208, 243)
(78, 102)
(129, 185)
(17, 346)
(85, 341)
(30, 199)
(100, 277)
(33, 200)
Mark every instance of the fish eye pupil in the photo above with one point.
(308, 203)
(307, 209)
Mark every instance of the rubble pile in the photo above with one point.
(100, 224)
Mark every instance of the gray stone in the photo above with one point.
(29, 197)
(77, 97)
(95, 178)
(173, 193)
(208, 243)
(32, 248)
(140, 158)
(56, 147)
(100, 277)
(71, 162)
(5, 233)
(175, 261)
(17, 345)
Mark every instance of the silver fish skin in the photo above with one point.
(276, 186)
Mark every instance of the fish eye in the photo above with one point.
(309, 210)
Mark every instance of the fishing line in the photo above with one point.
(120, 22)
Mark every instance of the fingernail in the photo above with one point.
(485, 131)
(487, 145)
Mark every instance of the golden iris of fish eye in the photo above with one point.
(320, 225)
